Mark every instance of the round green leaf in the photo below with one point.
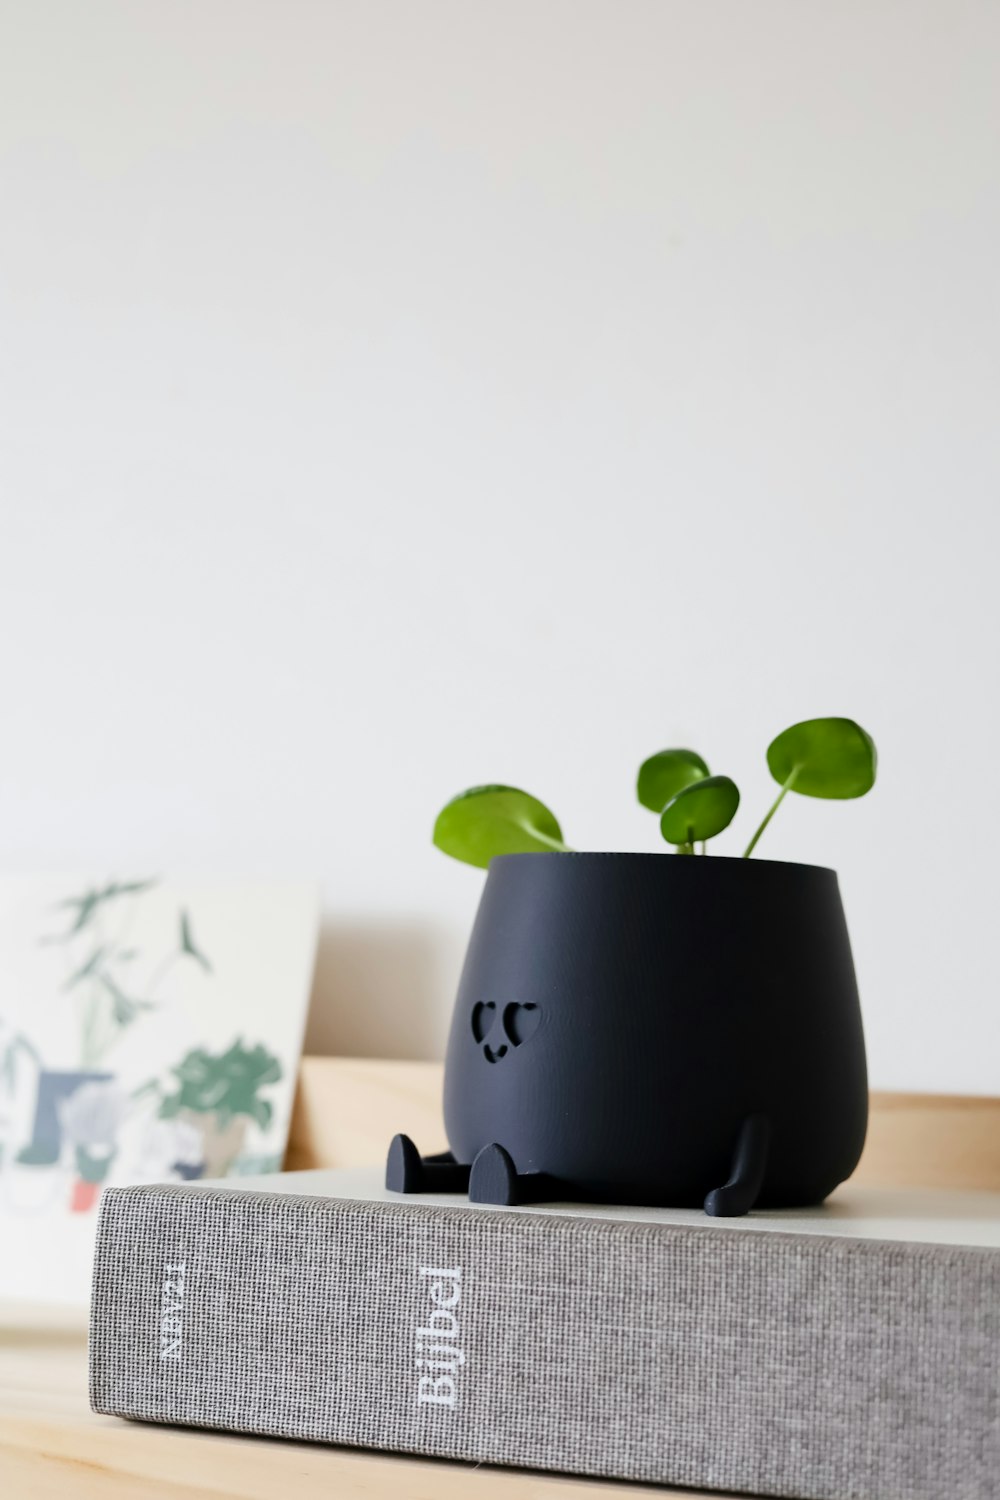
(700, 811)
(490, 820)
(824, 758)
(663, 775)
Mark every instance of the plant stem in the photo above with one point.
(771, 811)
(88, 1045)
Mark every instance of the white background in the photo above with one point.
(399, 396)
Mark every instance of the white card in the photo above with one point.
(150, 1031)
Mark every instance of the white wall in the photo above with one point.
(403, 395)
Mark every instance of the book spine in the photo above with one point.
(785, 1365)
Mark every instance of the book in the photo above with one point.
(836, 1353)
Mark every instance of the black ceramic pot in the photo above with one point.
(656, 1029)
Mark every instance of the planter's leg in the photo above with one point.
(741, 1192)
(495, 1179)
(406, 1171)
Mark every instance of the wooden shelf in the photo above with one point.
(348, 1109)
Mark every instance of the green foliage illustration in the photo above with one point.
(15, 1046)
(830, 758)
(103, 973)
(225, 1085)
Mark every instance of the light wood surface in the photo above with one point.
(53, 1447)
(932, 1140)
(348, 1109)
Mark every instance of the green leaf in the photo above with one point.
(86, 970)
(489, 820)
(86, 905)
(700, 811)
(824, 758)
(188, 944)
(124, 1008)
(260, 1112)
(665, 774)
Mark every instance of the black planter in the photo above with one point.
(652, 1029)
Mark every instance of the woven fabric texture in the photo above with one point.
(784, 1365)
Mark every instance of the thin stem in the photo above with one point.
(158, 975)
(771, 811)
(87, 1032)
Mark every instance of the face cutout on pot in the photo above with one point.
(497, 1033)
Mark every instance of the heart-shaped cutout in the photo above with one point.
(520, 1022)
(483, 1016)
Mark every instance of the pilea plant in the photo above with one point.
(831, 758)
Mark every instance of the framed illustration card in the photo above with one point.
(150, 1031)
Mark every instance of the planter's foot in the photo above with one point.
(741, 1192)
(406, 1171)
(495, 1179)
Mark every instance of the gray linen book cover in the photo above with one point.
(838, 1353)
